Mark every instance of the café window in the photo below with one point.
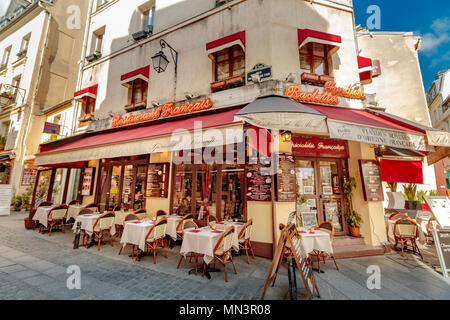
(314, 58)
(229, 68)
(5, 59)
(138, 91)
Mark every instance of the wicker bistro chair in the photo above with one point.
(56, 218)
(161, 213)
(141, 213)
(155, 237)
(406, 231)
(327, 227)
(211, 220)
(187, 226)
(128, 218)
(74, 202)
(429, 234)
(103, 227)
(45, 204)
(118, 207)
(395, 216)
(93, 206)
(180, 224)
(244, 239)
(222, 251)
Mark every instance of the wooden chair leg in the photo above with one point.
(318, 263)
(246, 252)
(120, 251)
(179, 262)
(62, 226)
(334, 259)
(99, 241)
(232, 262)
(226, 274)
(251, 249)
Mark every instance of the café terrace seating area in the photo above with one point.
(164, 239)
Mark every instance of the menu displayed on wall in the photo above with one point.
(259, 179)
(88, 178)
(5, 199)
(286, 184)
(158, 180)
(371, 180)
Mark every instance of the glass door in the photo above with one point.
(307, 191)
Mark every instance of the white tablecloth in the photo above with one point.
(237, 229)
(87, 223)
(135, 233)
(202, 242)
(41, 215)
(319, 240)
(172, 223)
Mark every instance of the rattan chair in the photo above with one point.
(102, 227)
(155, 237)
(211, 220)
(429, 234)
(161, 213)
(74, 202)
(222, 251)
(244, 239)
(56, 218)
(93, 206)
(179, 231)
(397, 215)
(327, 227)
(187, 226)
(141, 213)
(45, 204)
(128, 218)
(406, 231)
(118, 207)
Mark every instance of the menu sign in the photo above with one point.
(440, 207)
(88, 178)
(259, 180)
(286, 184)
(371, 180)
(5, 199)
(158, 180)
(319, 147)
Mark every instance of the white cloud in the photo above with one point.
(441, 25)
(440, 35)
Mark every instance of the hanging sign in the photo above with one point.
(88, 178)
(52, 128)
(314, 146)
(262, 70)
(169, 109)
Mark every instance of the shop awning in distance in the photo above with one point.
(275, 112)
(166, 136)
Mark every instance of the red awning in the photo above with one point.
(404, 171)
(307, 35)
(148, 131)
(226, 42)
(362, 117)
(260, 140)
(87, 92)
(365, 69)
(141, 73)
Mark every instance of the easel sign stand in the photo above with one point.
(289, 243)
(440, 207)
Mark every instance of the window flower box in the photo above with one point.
(218, 85)
(95, 56)
(21, 54)
(310, 77)
(86, 118)
(325, 78)
(235, 82)
(136, 106)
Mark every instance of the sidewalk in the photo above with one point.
(33, 266)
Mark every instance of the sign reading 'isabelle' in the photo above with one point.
(169, 109)
(329, 95)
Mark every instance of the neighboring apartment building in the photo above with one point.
(40, 45)
(397, 82)
(438, 97)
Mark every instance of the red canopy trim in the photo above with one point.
(226, 42)
(307, 35)
(403, 171)
(87, 92)
(260, 140)
(365, 70)
(141, 73)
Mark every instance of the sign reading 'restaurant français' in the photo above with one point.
(169, 109)
(329, 95)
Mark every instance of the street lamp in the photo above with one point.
(160, 60)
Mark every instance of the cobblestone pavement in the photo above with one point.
(34, 266)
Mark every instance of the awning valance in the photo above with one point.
(307, 35)
(365, 70)
(141, 73)
(237, 38)
(162, 137)
(87, 92)
(403, 171)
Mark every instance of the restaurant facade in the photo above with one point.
(245, 110)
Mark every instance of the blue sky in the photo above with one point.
(429, 19)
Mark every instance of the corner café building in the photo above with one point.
(320, 136)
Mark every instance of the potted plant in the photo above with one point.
(410, 194)
(354, 221)
(234, 82)
(140, 105)
(17, 202)
(352, 217)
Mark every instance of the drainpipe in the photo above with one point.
(82, 64)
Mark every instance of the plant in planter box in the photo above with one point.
(218, 85)
(17, 202)
(410, 191)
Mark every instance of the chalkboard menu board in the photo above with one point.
(258, 179)
(286, 184)
(158, 180)
(371, 180)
